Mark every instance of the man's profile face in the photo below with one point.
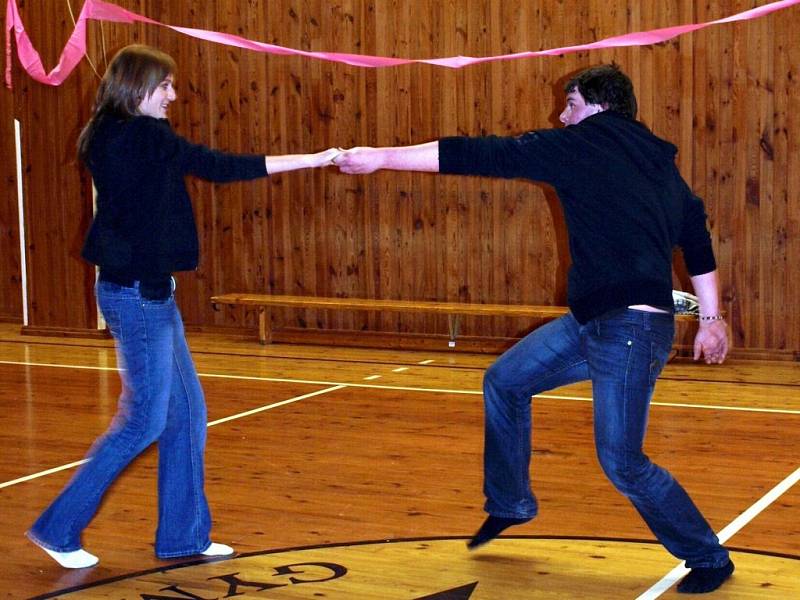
(576, 109)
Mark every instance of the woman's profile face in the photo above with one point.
(155, 105)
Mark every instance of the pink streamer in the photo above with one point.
(103, 11)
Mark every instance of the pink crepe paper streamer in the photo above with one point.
(103, 11)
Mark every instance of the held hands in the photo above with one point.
(711, 342)
(326, 158)
(359, 161)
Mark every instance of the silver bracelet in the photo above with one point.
(712, 318)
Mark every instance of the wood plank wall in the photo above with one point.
(728, 96)
(10, 273)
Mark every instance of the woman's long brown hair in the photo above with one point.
(134, 73)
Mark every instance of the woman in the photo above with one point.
(144, 230)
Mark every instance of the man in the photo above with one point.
(626, 206)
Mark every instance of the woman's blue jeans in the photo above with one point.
(161, 401)
(622, 353)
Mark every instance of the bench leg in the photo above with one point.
(453, 322)
(264, 326)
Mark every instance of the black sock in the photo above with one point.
(491, 528)
(702, 580)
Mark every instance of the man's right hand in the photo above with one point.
(711, 342)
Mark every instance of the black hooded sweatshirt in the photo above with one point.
(625, 204)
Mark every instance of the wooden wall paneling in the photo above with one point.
(787, 169)
(231, 130)
(749, 119)
(59, 282)
(780, 265)
(724, 95)
(344, 225)
(280, 107)
(720, 144)
(443, 40)
(761, 79)
(10, 264)
(505, 91)
(426, 252)
(450, 96)
(198, 118)
(664, 80)
(392, 129)
(689, 92)
(740, 216)
(310, 250)
(366, 133)
(479, 99)
(287, 21)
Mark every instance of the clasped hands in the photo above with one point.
(353, 161)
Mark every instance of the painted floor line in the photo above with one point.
(210, 424)
(725, 534)
(247, 413)
(781, 411)
(42, 473)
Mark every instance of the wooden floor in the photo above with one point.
(360, 477)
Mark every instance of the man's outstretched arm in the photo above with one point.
(361, 160)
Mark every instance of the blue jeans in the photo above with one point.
(161, 401)
(622, 353)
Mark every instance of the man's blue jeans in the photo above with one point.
(622, 353)
(161, 401)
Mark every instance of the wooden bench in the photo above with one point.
(453, 310)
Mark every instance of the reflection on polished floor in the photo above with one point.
(365, 466)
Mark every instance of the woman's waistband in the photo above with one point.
(156, 288)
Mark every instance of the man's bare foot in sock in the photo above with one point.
(491, 528)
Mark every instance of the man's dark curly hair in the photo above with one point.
(608, 86)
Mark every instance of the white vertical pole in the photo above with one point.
(23, 266)
(101, 322)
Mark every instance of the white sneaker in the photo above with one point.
(216, 549)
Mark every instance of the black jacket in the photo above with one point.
(144, 227)
(625, 204)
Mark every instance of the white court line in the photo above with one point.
(399, 369)
(781, 411)
(371, 377)
(210, 424)
(42, 473)
(247, 413)
(654, 592)
(57, 366)
(426, 362)
(725, 534)
(369, 386)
